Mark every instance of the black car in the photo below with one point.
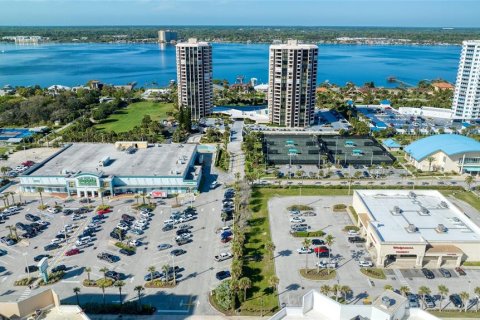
(113, 275)
(60, 267)
(50, 247)
(31, 269)
(31, 217)
(445, 273)
(62, 236)
(127, 252)
(129, 218)
(168, 227)
(107, 257)
(185, 226)
(428, 273)
(456, 300)
(21, 226)
(67, 212)
(221, 275)
(182, 231)
(177, 252)
(356, 239)
(28, 235)
(318, 242)
(40, 257)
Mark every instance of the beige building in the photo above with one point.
(415, 228)
(194, 77)
(445, 152)
(166, 36)
(292, 77)
(43, 305)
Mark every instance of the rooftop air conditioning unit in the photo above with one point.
(443, 204)
(397, 210)
(424, 210)
(411, 228)
(412, 194)
(441, 228)
(386, 302)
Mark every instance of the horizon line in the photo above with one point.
(239, 25)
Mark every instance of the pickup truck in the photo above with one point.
(223, 256)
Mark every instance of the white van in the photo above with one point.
(169, 221)
(85, 239)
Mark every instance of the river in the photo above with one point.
(154, 64)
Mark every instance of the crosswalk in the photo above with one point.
(401, 278)
(25, 294)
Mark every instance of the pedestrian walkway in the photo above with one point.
(400, 278)
(25, 294)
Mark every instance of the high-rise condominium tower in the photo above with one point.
(165, 36)
(466, 100)
(292, 79)
(194, 76)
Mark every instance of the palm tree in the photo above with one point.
(273, 282)
(335, 290)
(149, 198)
(306, 244)
(464, 296)
(104, 270)
(233, 286)
(237, 248)
(236, 268)
(102, 285)
(404, 290)
(244, 284)
(423, 291)
(76, 290)
(152, 270)
(270, 247)
(119, 284)
(477, 293)
(430, 160)
(443, 292)
(40, 190)
(325, 289)
(10, 229)
(137, 196)
(14, 229)
(4, 170)
(100, 192)
(224, 216)
(88, 270)
(329, 241)
(166, 269)
(139, 290)
(388, 287)
(119, 234)
(469, 180)
(345, 290)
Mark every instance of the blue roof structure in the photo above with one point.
(449, 144)
(391, 143)
(385, 102)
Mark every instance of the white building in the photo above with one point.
(388, 306)
(166, 36)
(194, 77)
(417, 228)
(466, 99)
(292, 80)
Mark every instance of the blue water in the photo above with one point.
(8, 133)
(152, 64)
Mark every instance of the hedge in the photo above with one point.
(306, 234)
(122, 245)
(53, 277)
(339, 207)
(130, 307)
(25, 281)
(348, 228)
(373, 273)
(300, 207)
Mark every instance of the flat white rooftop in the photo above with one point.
(158, 160)
(425, 211)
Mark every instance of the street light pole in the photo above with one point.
(26, 265)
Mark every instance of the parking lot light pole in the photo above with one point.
(174, 274)
(25, 254)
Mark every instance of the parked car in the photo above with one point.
(317, 242)
(51, 246)
(53, 210)
(60, 267)
(126, 252)
(3, 252)
(296, 220)
(428, 273)
(456, 300)
(356, 239)
(352, 233)
(445, 273)
(177, 252)
(429, 301)
(31, 268)
(304, 250)
(164, 246)
(148, 276)
(223, 256)
(7, 241)
(40, 257)
(114, 275)
(31, 217)
(460, 271)
(221, 275)
(137, 231)
(104, 211)
(413, 301)
(365, 264)
(127, 217)
(108, 257)
(72, 252)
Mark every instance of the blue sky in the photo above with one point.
(396, 13)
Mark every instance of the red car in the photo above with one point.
(103, 211)
(226, 239)
(72, 252)
(28, 163)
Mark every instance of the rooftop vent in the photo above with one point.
(412, 194)
(386, 302)
(424, 211)
(396, 211)
(441, 228)
(443, 204)
(411, 228)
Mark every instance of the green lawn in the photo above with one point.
(126, 119)
(466, 196)
(3, 150)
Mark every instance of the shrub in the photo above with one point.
(107, 282)
(129, 307)
(306, 234)
(339, 207)
(103, 207)
(300, 207)
(223, 295)
(25, 281)
(157, 283)
(53, 277)
(122, 245)
(91, 283)
(323, 274)
(353, 228)
(373, 273)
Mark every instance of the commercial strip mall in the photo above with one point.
(415, 229)
(86, 169)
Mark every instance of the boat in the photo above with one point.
(391, 79)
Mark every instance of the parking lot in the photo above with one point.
(288, 261)
(196, 276)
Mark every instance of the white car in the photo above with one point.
(42, 223)
(184, 236)
(123, 227)
(365, 264)
(78, 217)
(134, 243)
(294, 212)
(304, 250)
(53, 210)
(57, 241)
(352, 233)
(297, 220)
(146, 215)
(139, 226)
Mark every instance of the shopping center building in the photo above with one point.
(86, 169)
(415, 228)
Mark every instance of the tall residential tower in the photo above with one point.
(292, 80)
(466, 100)
(166, 36)
(194, 76)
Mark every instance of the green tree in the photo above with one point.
(139, 290)
(336, 290)
(329, 241)
(102, 285)
(76, 290)
(244, 284)
(88, 270)
(5, 169)
(477, 293)
(119, 284)
(223, 295)
(443, 292)
(430, 161)
(464, 296)
(404, 290)
(306, 243)
(40, 191)
(388, 287)
(104, 270)
(166, 271)
(270, 247)
(469, 180)
(424, 291)
(345, 290)
(151, 270)
(273, 282)
(325, 289)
